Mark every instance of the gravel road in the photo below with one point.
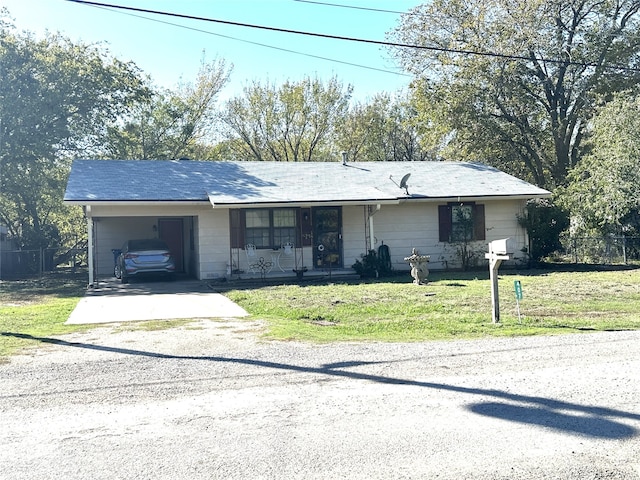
(211, 400)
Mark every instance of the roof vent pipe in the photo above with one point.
(344, 158)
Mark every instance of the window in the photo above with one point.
(257, 228)
(461, 222)
(284, 226)
(263, 227)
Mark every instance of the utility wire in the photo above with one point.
(281, 49)
(353, 39)
(368, 9)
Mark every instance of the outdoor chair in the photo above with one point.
(252, 257)
(288, 253)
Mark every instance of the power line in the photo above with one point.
(353, 39)
(368, 9)
(241, 24)
(281, 49)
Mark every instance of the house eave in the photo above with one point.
(316, 203)
(303, 203)
(470, 198)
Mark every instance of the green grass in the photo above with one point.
(452, 305)
(37, 307)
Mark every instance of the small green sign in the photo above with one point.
(517, 287)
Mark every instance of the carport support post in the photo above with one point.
(90, 244)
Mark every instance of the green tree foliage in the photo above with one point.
(382, 129)
(170, 125)
(604, 193)
(525, 115)
(295, 122)
(544, 221)
(56, 98)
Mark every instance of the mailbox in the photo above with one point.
(499, 247)
(498, 251)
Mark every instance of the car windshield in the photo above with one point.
(148, 244)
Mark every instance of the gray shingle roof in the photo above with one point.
(225, 183)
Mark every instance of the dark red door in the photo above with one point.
(171, 231)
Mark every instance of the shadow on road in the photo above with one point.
(592, 425)
(585, 420)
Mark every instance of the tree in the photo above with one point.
(604, 189)
(381, 130)
(292, 123)
(170, 125)
(523, 102)
(544, 222)
(56, 98)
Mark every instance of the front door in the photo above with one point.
(171, 231)
(327, 237)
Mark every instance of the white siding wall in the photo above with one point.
(214, 243)
(502, 222)
(404, 227)
(400, 227)
(407, 226)
(353, 234)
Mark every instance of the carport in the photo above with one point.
(108, 228)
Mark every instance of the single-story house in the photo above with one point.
(264, 218)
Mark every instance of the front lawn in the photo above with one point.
(38, 307)
(452, 305)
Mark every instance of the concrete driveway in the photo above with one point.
(112, 301)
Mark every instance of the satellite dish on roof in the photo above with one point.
(403, 182)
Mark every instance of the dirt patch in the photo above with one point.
(194, 336)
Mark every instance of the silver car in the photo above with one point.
(141, 257)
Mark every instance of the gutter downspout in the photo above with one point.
(372, 212)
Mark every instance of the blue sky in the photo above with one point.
(170, 53)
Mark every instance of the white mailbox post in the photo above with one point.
(497, 253)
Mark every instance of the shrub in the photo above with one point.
(372, 265)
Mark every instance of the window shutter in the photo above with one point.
(444, 222)
(236, 226)
(479, 231)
